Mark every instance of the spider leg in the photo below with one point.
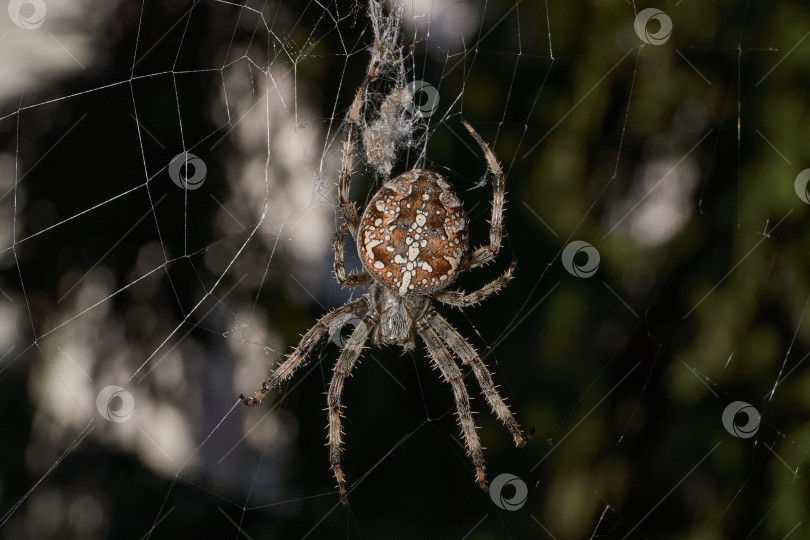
(329, 322)
(347, 207)
(462, 299)
(470, 357)
(343, 367)
(484, 254)
(355, 278)
(452, 374)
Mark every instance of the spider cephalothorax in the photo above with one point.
(413, 242)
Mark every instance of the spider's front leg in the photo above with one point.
(484, 254)
(335, 318)
(452, 374)
(470, 357)
(343, 367)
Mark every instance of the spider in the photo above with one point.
(413, 242)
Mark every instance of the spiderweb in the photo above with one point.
(167, 204)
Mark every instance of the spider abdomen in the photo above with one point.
(413, 233)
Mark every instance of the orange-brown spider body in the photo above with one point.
(413, 242)
(413, 233)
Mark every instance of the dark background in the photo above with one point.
(622, 377)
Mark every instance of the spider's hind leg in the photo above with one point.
(354, 279)
(484, 254)
(347, 207)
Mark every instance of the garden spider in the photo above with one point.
(413, 243)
